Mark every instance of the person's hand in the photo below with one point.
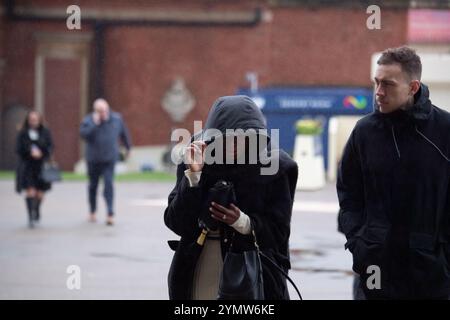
(227, 216)
(194, 156)
(96, 118)
(126, 155)
(36, 153)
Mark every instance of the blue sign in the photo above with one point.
(284, 106)
(313, 100)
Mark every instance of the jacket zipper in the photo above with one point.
(395, 141)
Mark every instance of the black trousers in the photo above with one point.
(95, 171)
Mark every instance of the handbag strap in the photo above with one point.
(282, 272)
(274, 263)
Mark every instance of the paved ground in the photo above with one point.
(131, 259)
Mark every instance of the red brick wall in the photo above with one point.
(62, 108)
(142, 63)
(19, 70)
(298, 47)
(139, 4)
(329, 46)
(2, 54)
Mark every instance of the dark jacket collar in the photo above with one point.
(418, 112)
(421, 109)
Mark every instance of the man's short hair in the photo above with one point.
(406, 57)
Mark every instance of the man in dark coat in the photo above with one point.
(393, 187)
(263, 202)
(102, 131)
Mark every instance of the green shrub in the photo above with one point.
(308, 127)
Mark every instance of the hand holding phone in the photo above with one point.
(194, 156)
(96, 118)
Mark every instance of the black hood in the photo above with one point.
(233, 112)
(421, 109)
(240, 112)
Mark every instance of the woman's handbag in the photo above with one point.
(50, 172)
(242, 275)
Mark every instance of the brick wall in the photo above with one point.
(299, 47)
(291, 46)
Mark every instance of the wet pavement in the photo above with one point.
(130, 260)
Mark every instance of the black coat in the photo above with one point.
(102, 141)
(266, 199)
(394, 195)
(28, 169)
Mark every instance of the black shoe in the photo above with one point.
(109, 221)
(35, 217)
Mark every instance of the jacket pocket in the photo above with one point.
(430, 273)
(369, 249)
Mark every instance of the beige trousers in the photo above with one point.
(207, 272)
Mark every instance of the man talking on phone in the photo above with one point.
(102, 130)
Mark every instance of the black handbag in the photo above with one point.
(50, 172)
(242, 275)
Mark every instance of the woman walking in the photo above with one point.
(262, 205)
(34, 146)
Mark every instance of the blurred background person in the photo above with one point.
(34, 146)
(102, 130)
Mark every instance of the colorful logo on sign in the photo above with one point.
(357, 102)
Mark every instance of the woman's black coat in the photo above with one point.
(266, 199)
(28, 168)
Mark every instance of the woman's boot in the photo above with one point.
(37, 209)
(31, 211)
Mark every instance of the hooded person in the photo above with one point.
(394, 188)
(264, 195)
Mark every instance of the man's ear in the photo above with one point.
(415, 86)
